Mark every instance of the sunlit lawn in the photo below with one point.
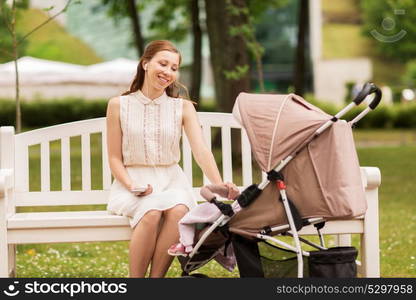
(110, 259)
(397, 207)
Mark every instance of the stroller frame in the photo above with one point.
(277, 177)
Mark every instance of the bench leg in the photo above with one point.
(12, 260)
(7, 260)
(369, 265)
(343, 240)
(4, 259)
(370, 256)
(370, 244)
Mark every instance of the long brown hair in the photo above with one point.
(151, 49)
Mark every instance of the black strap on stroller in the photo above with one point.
(225, 208)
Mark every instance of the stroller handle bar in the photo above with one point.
(368, 89)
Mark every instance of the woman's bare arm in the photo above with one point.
(203, 156)
(114, 140)
(114, 148)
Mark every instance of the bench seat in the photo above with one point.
(101, 218)
(64, 219)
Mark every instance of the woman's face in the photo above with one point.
(162, 69)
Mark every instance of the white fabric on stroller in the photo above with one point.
(205, 213)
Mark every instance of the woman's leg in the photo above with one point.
(169, 234)
(142, 243)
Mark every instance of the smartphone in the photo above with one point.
(139, 189)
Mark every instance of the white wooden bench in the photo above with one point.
(87, 226)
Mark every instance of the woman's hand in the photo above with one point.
(233, 191)
(148, 191)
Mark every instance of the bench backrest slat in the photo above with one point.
(45, 167)
(105, 165)
(227, 170)
(86, 194)
(246, 159)
(65, 164)
(86, 162)
(206, 132)
(21, 166)
(186, 157)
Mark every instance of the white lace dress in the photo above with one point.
(151, 132)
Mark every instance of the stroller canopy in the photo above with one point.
(323, 180)
(276, 124)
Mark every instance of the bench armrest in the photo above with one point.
(371, 177)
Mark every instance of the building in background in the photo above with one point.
(331, 75)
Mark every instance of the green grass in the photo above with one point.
(397, 207)
(110, 259)
(383, 137)
(52, 41)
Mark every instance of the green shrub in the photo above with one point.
(410, 76)
(397, 93)
(401, 115)
(51, 112)
(352, 114)
(328, 107)
(7, 113)
(405, 116)
(44, 113)
(381, 117)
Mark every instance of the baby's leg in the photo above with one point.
(187, 233)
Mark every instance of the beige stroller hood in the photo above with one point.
(324, 178)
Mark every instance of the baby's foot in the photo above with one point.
(177, 250)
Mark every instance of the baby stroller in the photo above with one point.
(313, 175)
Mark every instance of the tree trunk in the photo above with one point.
(300, 67)
(135, 21)
(196, 71)
(18, 110)
(15, 58)
(226, 51)
(11, 26)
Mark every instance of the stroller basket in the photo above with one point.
(336, 262)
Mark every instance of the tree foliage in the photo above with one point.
(410, 75)
(127, 9)
(392, 24)
(171, 20)
(6, 40)
(9, 17)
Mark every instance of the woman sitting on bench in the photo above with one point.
(144, 127)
